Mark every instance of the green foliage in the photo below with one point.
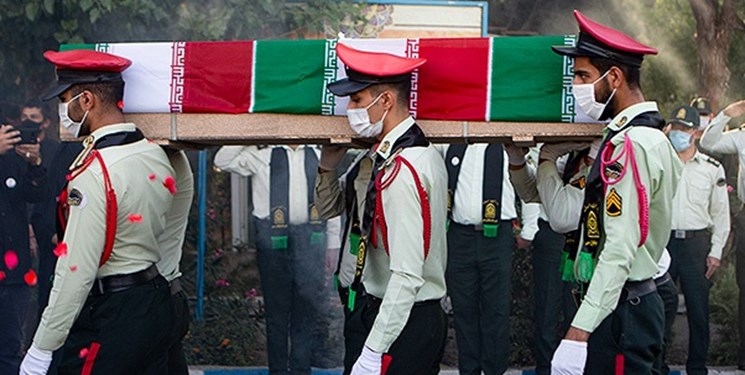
(723, 308)
(32, 27)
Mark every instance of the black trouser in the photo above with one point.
(125, 332)
(181, 320)
(291, 281)
(634, 330)
(478, 282)
(14, 300)
(355, 331)
(419, 348)
(669, 294)
(553, 297)
(689, 268)
(740, 275)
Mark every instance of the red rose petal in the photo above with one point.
(30, 277)
(135, 218)
(68, 177)
(2, 275)
(170, 184)
(73, 268)
(11, 260)
(60, 250)
(83, 353)
(151, 177)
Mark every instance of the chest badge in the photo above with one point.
(11, 182)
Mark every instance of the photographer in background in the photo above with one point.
(22, 180)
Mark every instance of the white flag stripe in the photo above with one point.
(148, 80)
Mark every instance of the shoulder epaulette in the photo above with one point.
(713, 161)
(261, 147)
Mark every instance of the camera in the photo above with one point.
(29, 132)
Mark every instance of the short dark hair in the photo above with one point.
(109, 93)
(632, 73)
(402, 89)
(36, 103)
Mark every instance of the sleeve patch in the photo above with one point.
(76, 198)
(613, 171)
(721, 182)
(613, 203)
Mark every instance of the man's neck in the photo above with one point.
(631, 97)
(687, 154)
(391, 121)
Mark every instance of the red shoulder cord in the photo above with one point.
(380, 184)
(111, 206)
(628, 150)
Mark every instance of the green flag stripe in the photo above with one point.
(288, 76)
(526, 79)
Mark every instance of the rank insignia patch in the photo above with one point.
(613, 171)
(613, 203)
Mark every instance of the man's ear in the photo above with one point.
(666, 128)
(87, 100)
(616, 76)
(387, 99)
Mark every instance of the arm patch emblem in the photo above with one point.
(613, 203)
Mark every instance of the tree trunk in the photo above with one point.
(714, 24)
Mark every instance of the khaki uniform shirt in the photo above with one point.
(621, 259)
(136, 245)
(405, 277)
(171, 241)
(716, 140)
(701, 201)
(330, 201)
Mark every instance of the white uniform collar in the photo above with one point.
(386, 145)
(630, 113)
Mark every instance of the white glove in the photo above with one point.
(594, 148)
(553, 151)
(368, 363)
(515, 154)
(569, 358)
(331, 156)
(36, 361)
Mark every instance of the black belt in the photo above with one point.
(477, 227)
(636, 289)
(375, 301)
(664, 279)
(687, 234)
(118, 283)
(176, 285)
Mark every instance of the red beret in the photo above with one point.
(368, 68)
(83, 66)
(597, 40)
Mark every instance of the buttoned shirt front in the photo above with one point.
(701, 201)
(255, 162)
(468, 199)
(136, 245)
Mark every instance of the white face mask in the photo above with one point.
(359, 120)
(704, 121)
(64, 118)
(584, 94)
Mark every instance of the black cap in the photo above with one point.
(702, 105)
(685, 115)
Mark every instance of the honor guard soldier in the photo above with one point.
(398, 206)
(290, 245)
(630, 184)
(481, 240)
(700, 229)
(109, 309)
(717, 140)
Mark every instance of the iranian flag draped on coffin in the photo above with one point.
(469, 79)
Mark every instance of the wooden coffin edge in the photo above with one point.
(205, 129)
